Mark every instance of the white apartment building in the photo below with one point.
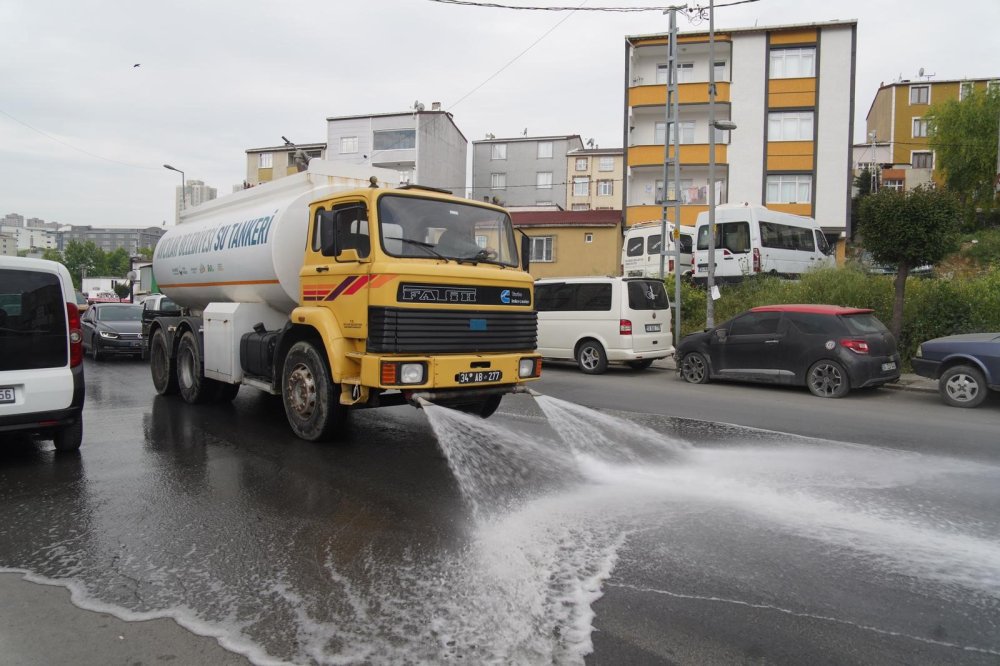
(789, 90)
(193, 193)
(33, 238)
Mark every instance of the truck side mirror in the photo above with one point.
(525, 252)
(328, 233)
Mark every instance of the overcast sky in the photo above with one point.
(83, 133)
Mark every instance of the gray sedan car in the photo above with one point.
(112, 328)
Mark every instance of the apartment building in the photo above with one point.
(193, 193)
(31, 238)
(522, 171)
(425, 147)
(897, 118)
(273, 162)
(790, 91)
(109, 239)
(567, 243)
(594, 179)
(8, 244)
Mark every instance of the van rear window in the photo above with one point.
(33, 332)
(647, 295)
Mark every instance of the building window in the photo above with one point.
(720, 71)
(606, 164)
(544, 150)
(544, 180)
(265, 160)
(398, 139)
(793, 63)
(348, 144)
(498, 151)
(541, 248)
(685, 72)
(893, 185)
(588, 238)
(481, 241)
(964, 89)
(919, 127)
(790, 126)
(605, 188)
(498, 181)
(581, 186)
(922, 160)
(687, 132)
(920, 94)
(789, 188)
(662, 73)
(581, 164)
(721, 136)
(580, 207)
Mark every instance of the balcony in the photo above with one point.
(687, 93)
(791, 93)
(694, 153)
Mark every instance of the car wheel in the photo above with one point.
(962, 386)
(311, 399)
(591, 358)
(694, 368)
(95, 349)
(640, 365)
(828, 379)
(69, 438)
(162, 367)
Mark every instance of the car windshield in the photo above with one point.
(862, 324)
(120, 313)
(422, 228)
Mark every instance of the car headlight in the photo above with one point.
(110, 335)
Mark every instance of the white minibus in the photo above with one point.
(753, 239)
(594, 320)
(641, 250)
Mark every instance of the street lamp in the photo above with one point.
(167, 166)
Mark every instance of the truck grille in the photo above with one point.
(410, 331)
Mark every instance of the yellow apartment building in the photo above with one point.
(570, 243)
(594, 179)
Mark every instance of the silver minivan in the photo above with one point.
(597, 320)
(41, 352)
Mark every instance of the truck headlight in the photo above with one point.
(411, 373)
(529, 367)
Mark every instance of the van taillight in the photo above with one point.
(756, 260)
(75, 335)
(856, 346)
(624, 327)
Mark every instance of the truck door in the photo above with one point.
(338, 265)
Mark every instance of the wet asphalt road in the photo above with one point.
(700, 544)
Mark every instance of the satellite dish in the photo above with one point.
(921, 72)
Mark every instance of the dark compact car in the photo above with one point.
(112, 328)
(829, 349)
(964, 365)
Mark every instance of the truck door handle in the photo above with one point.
(322, 269)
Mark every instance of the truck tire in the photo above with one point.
(191, 381)
(162, 367)
(311, 399)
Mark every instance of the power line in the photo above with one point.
(69, 145)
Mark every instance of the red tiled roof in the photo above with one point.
(566, 218)
(812, 309)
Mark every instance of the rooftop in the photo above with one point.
(566, 218)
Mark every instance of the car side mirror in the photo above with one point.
(525, 252)
(721, 334)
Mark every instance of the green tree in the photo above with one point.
(83, 259)
(122, 289)
(117, 263)
(146, 253)
(863, 185)
(908, 229)
(52, 255)
(963, 135)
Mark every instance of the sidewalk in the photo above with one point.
(907, 382)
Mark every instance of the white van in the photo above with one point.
(41, 352)
(641, 250)
(594, 320)
(753, 239)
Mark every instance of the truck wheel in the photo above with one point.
(69, 438)
(191, 381)
(962, 386)
(591, 358)
(162, 367)
(311, 398)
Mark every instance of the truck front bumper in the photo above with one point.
(458, 374)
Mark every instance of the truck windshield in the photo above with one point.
(422, 228)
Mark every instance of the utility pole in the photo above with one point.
(671, 114)
(710, 281)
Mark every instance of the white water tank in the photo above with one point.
(248, 247)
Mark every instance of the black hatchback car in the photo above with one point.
(828, 348)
